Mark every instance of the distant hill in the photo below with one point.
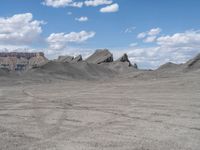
(99, 65)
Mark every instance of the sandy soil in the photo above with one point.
(117, 114)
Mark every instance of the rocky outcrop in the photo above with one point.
(100, 56)
(65, 59)
(77, 59)
(69, 59)
(124, 58)
(37, 61)
(193, 63)
(21, 54)
(19, 61)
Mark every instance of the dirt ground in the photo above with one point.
(117, 114)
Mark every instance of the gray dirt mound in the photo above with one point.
(120, 67)
(3, 72)
(81, 70)
(169, 67)
(100, 56)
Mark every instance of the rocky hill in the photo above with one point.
(99, 65)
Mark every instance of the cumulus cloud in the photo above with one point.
(141, 35)
(149, 36)
(188, 38)
(82, 19)
(150, 39)
(153, 57)
(97, 2)
(19, 29)
(76, 4)
(110, 8)
(58, 41)
(154, 31)
(62, 3)
(92, 3)
(177, 48)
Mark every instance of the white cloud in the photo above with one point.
(150, 39)
(69, 13)
(76, 4)
(141, 35)
(129, 30)
(133, 44)
(58, 41)
(154, 31)
(153, 57)
(149, 36)
(188, 38)
(82, 19)
(19, 29)
(177, 48)
(97, 2)
(62, 3)
(110, 8)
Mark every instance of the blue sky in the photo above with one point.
(152, 32)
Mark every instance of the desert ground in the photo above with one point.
(120, 113)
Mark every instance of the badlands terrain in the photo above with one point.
(100, 104)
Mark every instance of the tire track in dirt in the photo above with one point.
(51, 133)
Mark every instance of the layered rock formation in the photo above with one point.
(21, 54)
(65, 58)
(15, 61)
(69, 59)
(100, 56)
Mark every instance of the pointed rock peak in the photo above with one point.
(125, 58)
(77, 59)
(100, 56)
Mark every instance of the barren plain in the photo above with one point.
(122, 113)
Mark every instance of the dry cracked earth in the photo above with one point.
(117, 114)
